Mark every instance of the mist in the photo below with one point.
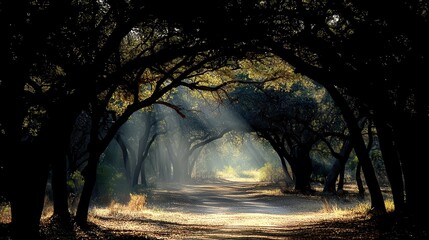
(190, 139)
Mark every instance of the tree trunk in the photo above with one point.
(341, 179)
(195, 156)
(331, 179)
(359, 183)
(377, 201)
(338, 168)
(283, 156)
(125, 156)
(89, 174)
(58, 137)
(412, 152)
(161, 164)
(304, 170)
(59, 189)
(30, 174)
(169, 163)
(143, 153)
(391, 163)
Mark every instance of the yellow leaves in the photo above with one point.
(270, 71)
(29, 88)
(32, 122)
(273, 71)
(120, 100)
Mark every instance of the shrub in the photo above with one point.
(271, 173)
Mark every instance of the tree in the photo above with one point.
(285, 120)
(62, 58)
(80, 56)
(365, 49)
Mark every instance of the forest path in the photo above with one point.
(231, 197)
(229, 210)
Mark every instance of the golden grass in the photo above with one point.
(360, 209)
(136, 204)
(332, 207)
(115, 208)
(5, 213)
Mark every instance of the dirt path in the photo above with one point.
(229, 210)
(226, 197)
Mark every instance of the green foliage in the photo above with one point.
(353, 164)
(112, 185)
(320, 171)
(271, 173)
(75, 180)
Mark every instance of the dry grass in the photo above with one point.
(359, 209)
(333, 207)
(255, 213)
(136, 204)
(5, 213)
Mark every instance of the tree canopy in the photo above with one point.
(63, 58)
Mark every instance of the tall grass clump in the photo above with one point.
(137, 202)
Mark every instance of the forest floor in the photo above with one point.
(229, 210)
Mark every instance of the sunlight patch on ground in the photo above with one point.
(214, 219)
(164, 224)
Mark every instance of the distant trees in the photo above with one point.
(292, 120)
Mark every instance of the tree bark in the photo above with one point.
(90, 175)
(194, 159)
(338, 168)
(412, 152)
(283, 156)
(359, 183)
(303, 172)
(30, 174)
(143, 153)
(377, 201)
(125, 156)
(90, 171)
(391, 163)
